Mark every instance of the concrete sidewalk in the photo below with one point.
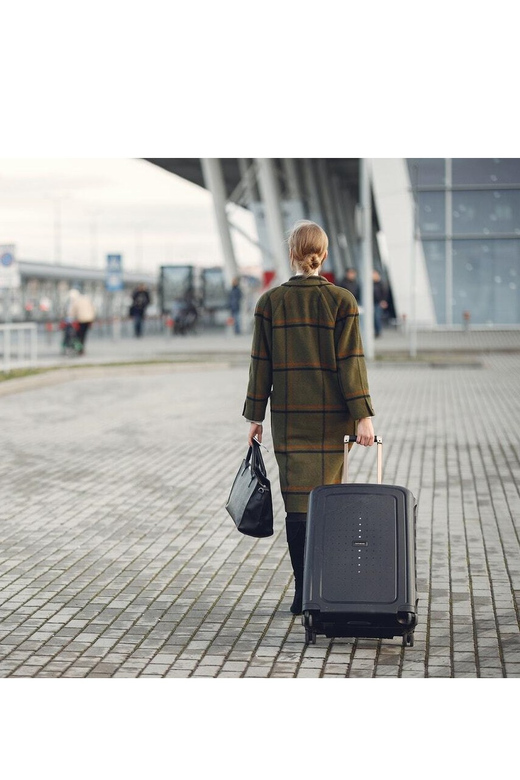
(117, 558)
(218, 344)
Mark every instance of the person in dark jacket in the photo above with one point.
(307, 360)
(380, 302)
(235, 302)
(140, 301)
(350, 283)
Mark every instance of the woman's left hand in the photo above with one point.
(365, 432)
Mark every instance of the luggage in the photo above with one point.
(250, 502)
(360, 560)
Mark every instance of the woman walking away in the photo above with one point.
(307, 358)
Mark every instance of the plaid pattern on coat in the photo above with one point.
(307, 358)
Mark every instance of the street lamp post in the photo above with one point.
(57, 229)
(413, 269)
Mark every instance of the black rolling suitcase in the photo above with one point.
(359, 576)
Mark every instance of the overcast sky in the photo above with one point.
(79, 210)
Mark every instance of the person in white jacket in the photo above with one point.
(81, 310)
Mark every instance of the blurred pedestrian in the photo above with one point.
(350, 283)
(81, 310)
(141, 299)
(307, 358)
(184, 314)
(380, 302)
(235, 302)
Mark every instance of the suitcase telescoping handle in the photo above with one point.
(379, 442)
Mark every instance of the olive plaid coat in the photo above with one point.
(307, 358)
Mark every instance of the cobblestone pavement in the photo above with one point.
(117, 558)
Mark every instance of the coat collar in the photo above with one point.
(305, 281)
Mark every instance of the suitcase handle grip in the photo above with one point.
(377, 440)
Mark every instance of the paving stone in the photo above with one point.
(441, 670)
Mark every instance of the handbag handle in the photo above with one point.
(254, 457)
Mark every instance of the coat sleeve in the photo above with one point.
(352, 371)
(260, 368)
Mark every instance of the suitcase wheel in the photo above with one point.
(406, 618)
(310, 635)
(307, 619)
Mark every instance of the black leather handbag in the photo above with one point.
(250, 502)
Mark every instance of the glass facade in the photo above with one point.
(485, 171)
(431, 210)
(468, 215)
(486, 280)
(486, 212)
(435, 254)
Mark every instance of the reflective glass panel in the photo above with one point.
(486, 212)
(435, 255)
(431, 212)
(486, 281)
(426, 171)
(485, 170)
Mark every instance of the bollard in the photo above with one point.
(466, 316)
(230, 322)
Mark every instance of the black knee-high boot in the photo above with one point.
(295, 532)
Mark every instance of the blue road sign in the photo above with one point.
(7, 259)
(114, 273)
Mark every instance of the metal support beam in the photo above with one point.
(412, 325)
(367, 282)
(343, 231)
(449, 242)
(269, 191)
(293, 207)
(349, 212)
(314, 212)
(316, 206)
(330, 216)
(214, 181)
(247, 182)
(291, 178)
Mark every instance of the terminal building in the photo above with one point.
(43, 289)
(444, 233)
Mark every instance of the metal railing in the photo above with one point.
(14, 335)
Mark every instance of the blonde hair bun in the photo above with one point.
(308, 244)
